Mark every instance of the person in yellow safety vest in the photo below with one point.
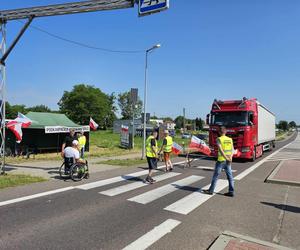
(152, 156)
(167, 149)
(82, 142)
(225, 153)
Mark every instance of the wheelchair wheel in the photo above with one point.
(63, 173)
(78, 172)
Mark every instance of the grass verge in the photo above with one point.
(281, 135)
(123, 162)
(11, 180)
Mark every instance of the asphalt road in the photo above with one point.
(100, 216)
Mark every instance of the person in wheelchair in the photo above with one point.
(72, 155)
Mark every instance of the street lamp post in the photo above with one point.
(145, 98)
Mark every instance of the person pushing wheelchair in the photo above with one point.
(72, 155)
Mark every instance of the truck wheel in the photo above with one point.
(253, 155)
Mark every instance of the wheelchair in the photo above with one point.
(73, 170)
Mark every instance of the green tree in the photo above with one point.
(167, 119)
(126, 107)
(39, 108)
(283, 125)
(11, 111)
(179, 121)
(199, 123)
(85, 101)
(292, 124)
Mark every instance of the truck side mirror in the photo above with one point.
(207, 119)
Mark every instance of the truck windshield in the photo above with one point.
(237, 118)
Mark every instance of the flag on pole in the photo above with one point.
(176, 148)
(236, 153)
(16, 128)
(199, 145)
(17, 124)
(24, 120)
(93, 124)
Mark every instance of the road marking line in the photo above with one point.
(283, 159)
(30, 197)
(213, 168)
(154, 235)
(164, 190)
(195, 199)
(256, 165)
(129, 187)
(113, 180)
(84, 187)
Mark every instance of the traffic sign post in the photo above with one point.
(147, 7)
(133, 97)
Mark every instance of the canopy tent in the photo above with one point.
(48, 131)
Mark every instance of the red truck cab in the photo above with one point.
(248, 123)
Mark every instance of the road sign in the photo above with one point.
(147, 7)
(133, 96)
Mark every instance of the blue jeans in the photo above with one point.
(82, 152)
(218, 168)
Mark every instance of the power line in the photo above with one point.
(83, 44)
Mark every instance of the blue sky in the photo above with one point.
(210, 49)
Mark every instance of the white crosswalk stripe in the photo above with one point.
(194, 200)
(138, 184)
(164, 190)
(119, 178)
(154, 235)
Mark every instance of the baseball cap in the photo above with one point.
(75, 142)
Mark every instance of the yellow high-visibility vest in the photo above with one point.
(226, 145)
(82, 141)
(149, 151)
(168, 146)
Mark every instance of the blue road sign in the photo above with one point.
(147, 7)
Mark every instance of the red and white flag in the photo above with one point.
(236, 153)
(176, 148)
(93, 124)
(124, 128)
(199, 145)
(17, 124)
(26, 122)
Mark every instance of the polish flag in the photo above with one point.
(199, 145)
(17, 124)
(93, 124)
(176, 148)
(24, 120)
(124, 128)
(16, 128)
(236, 153)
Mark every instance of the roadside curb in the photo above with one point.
(271, 178)
(226, 238)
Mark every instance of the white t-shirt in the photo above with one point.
(71, 153)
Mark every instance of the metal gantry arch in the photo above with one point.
(30, 14)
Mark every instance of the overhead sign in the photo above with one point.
(147, 7)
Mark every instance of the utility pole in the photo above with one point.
(184, 119)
